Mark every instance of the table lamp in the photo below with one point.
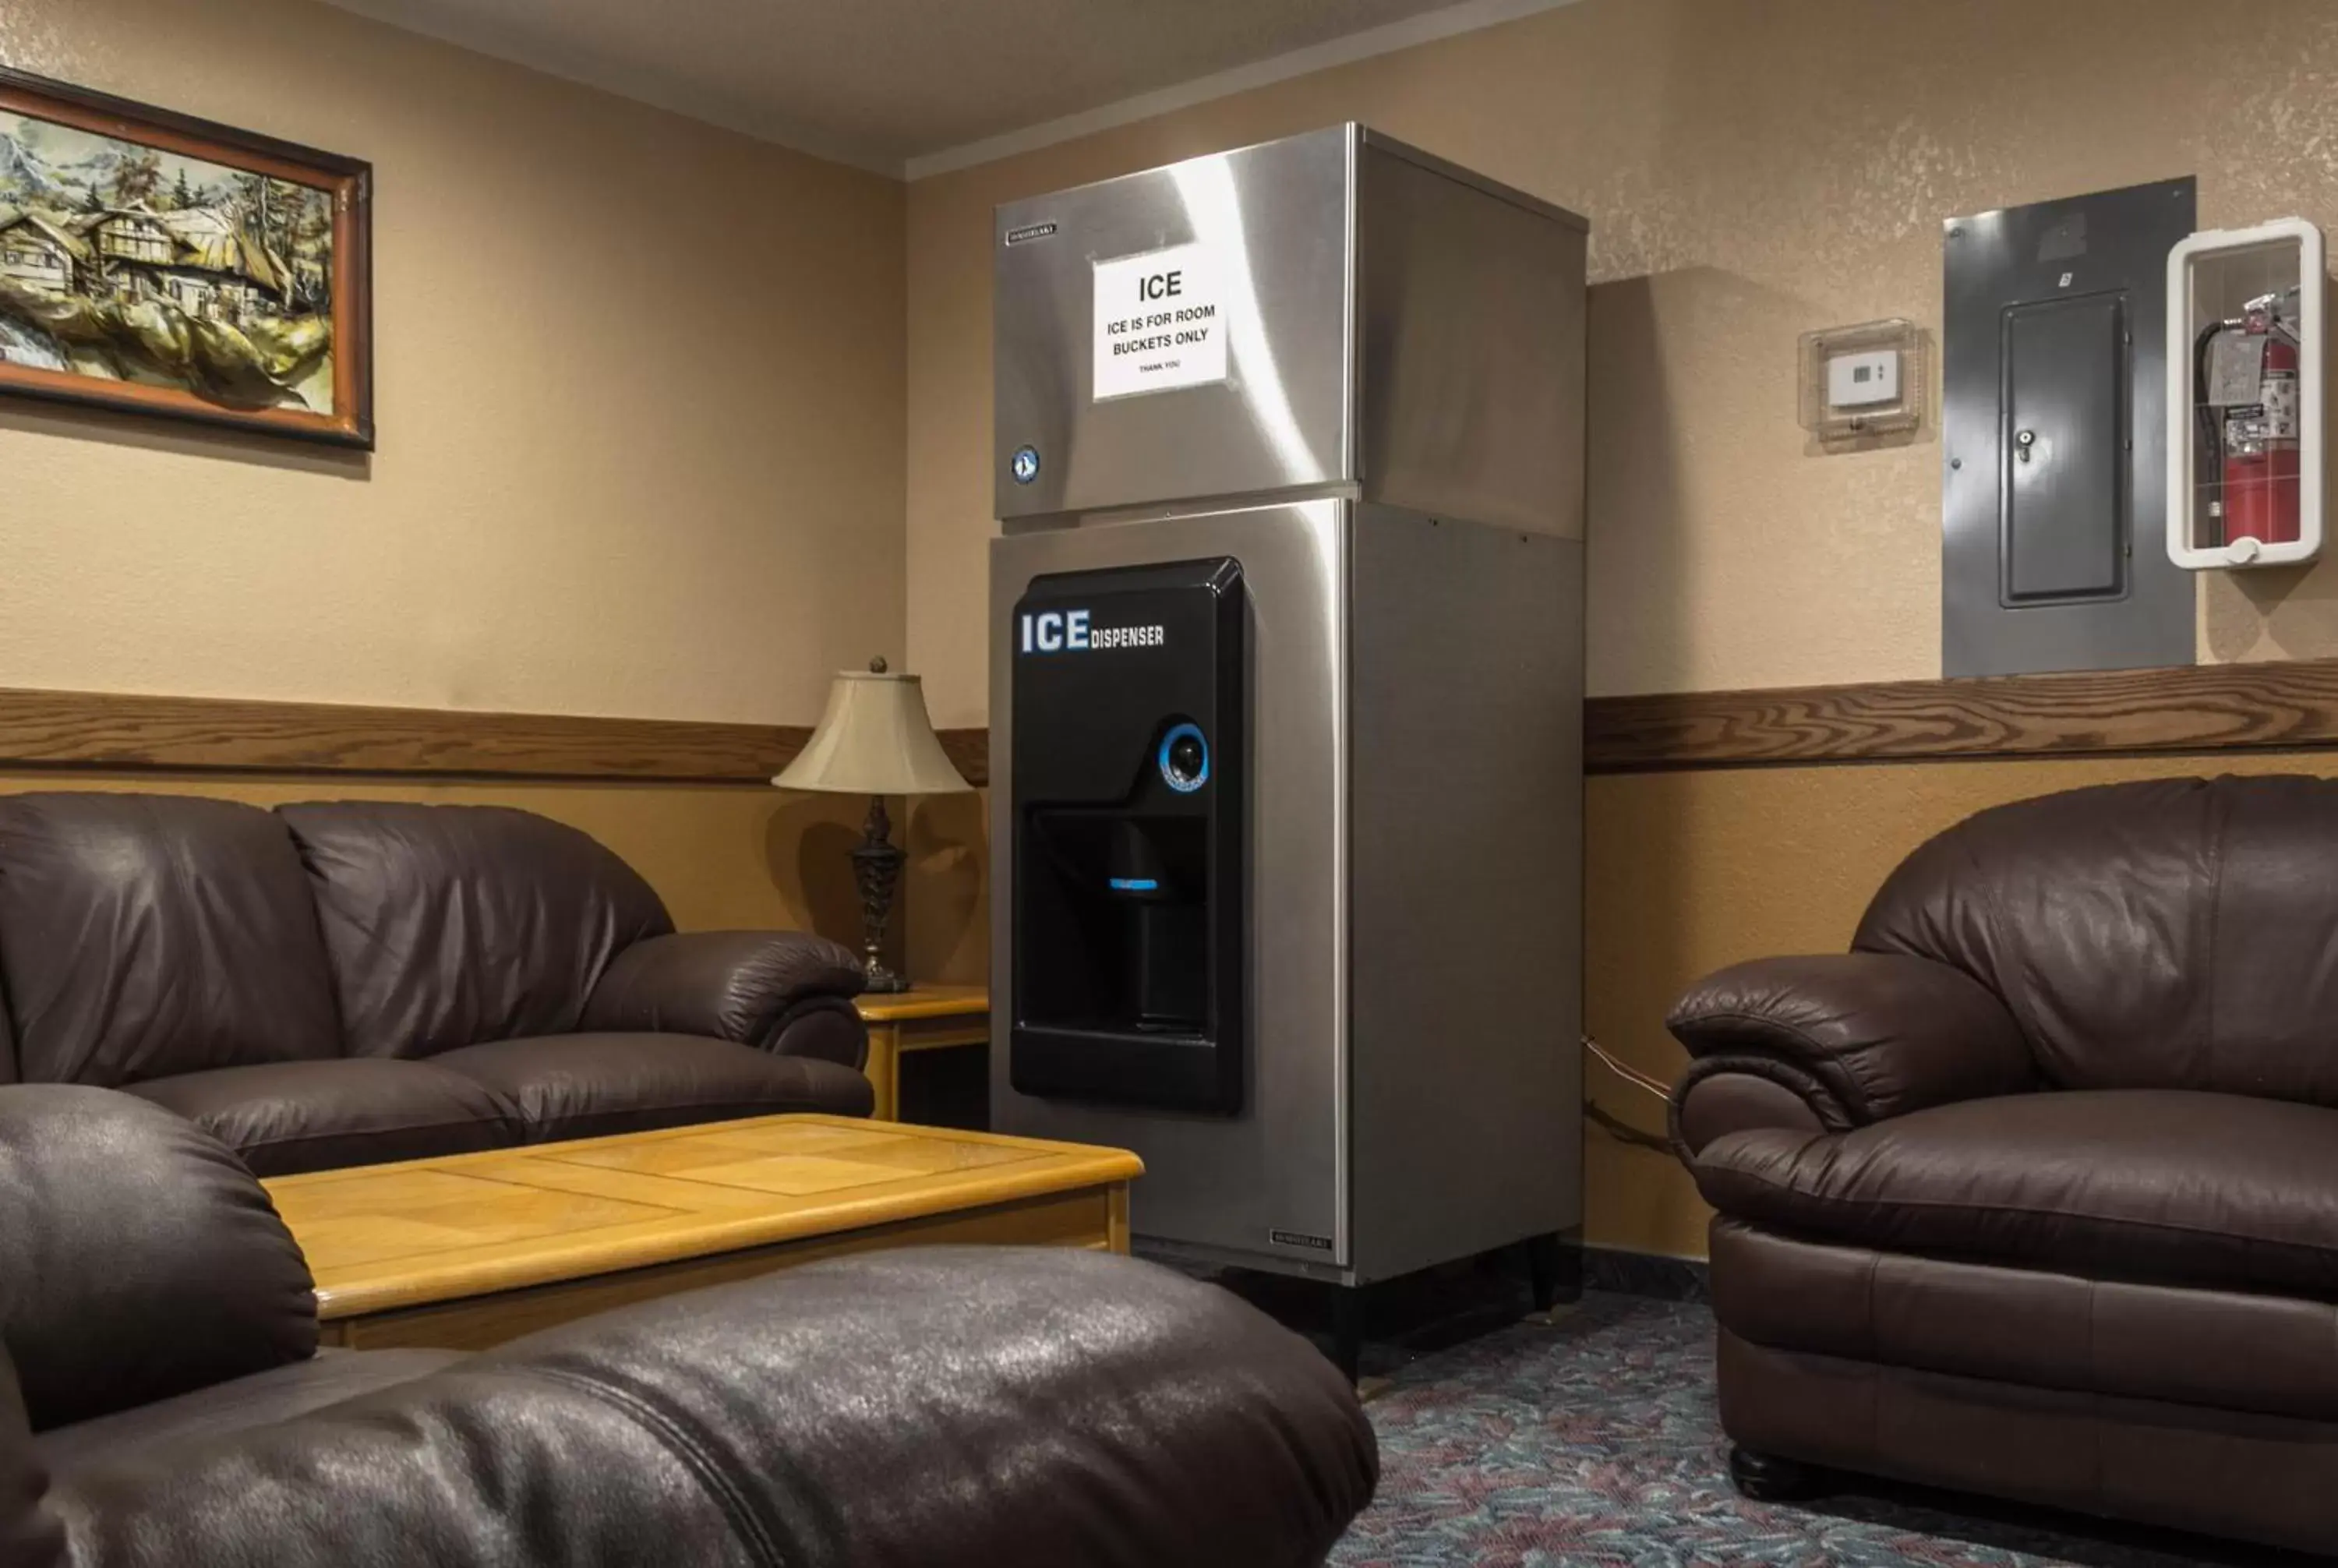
(875, 740)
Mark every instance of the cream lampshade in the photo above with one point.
(875, 740)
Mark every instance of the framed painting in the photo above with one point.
(157, 263)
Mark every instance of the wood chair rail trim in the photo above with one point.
(2203, 708)
(91, 732)
(2288, 705)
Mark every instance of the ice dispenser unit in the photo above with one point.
(1286, 673)
(1128, 835)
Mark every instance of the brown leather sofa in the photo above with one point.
(163, 1404)
(2035, 1192)
(351, 982)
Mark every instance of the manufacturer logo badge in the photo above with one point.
(1299, 1238)
(1025, 465)
(1029, 231)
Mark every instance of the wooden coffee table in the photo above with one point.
(473, 1249)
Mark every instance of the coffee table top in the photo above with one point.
(380, 1237)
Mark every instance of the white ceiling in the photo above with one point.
(914, 86)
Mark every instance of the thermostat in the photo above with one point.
(1862, 377)
(1862, 381)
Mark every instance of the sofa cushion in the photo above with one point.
(448, 926)
(294, 1116)
(589, 1085)
(147, 935)
(2160, 1186)
(224, 1410)
(988, 1407)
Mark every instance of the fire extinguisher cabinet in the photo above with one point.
(2245, 397)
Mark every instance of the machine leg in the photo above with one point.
(1348, 1330)
(1770, 1478)
(1555, 1270)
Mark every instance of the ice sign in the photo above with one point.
(1160, 321)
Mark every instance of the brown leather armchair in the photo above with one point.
(2035, 1192)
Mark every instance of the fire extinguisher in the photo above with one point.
(2254, 437)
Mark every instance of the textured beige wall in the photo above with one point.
(946, 888)
(640, 394)
(1751, 172)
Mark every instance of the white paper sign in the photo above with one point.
(1160, 321)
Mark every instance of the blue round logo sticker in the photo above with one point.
(1025, 464)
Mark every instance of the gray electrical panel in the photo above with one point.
(2054, 425)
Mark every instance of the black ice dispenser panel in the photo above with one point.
(1129, 946)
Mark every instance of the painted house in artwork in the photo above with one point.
(198, 259)
(41, 253)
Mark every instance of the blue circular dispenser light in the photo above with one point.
(1185, 784)
(1025, 464)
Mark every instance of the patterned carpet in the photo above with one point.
(1593, 1440)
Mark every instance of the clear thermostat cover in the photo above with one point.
(1865, 379)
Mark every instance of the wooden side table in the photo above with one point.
(929, 1018)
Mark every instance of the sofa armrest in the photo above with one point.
(139, 1258)
(1841, 1039)
(916, 1406)
(785, 991)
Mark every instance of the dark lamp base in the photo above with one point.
(883, 982)
(877, 866)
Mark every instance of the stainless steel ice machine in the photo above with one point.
(1286, 700)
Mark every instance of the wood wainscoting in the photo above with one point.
(2267, 707)
(2262, 707)
(106, 731)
